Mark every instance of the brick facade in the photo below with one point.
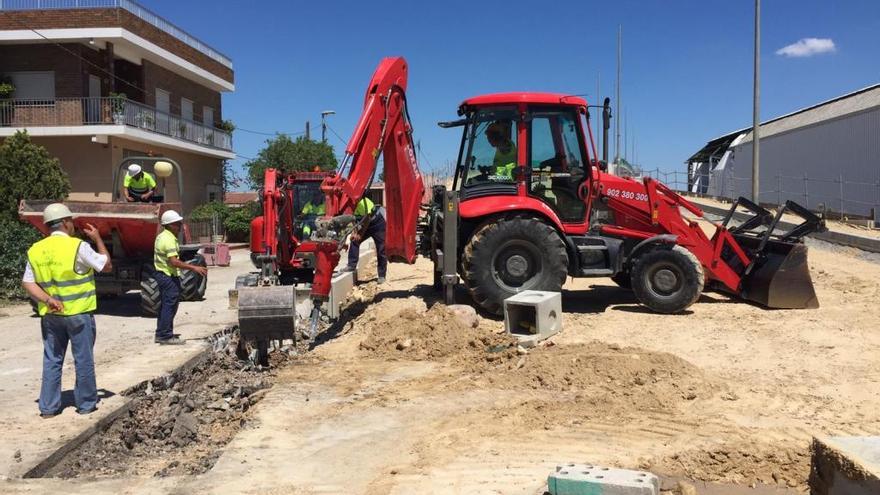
(111, 17)
(179, 87)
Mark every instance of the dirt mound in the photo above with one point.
(396, 331)
(776, 464)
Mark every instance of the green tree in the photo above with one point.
(288, 155)
(28, 172)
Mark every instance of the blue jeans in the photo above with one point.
(376, 230)
(58, 330)
(169, 287)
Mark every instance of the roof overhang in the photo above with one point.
(126, 45)
(133, 134)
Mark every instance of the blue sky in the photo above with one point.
(687, 65)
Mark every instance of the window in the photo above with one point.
(208, 116)
(33, 85)
(163, 107)
(557, 162)
(490, 155)
(186, 109)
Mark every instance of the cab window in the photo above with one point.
(490, 150)
(556, 161)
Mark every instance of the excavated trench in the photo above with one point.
(177, 424)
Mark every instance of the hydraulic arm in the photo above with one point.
(384, 128)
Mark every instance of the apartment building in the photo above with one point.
(96, 81)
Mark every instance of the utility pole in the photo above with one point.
(617, 121)
(308, 131)
(324, 115)
(598, 97)
(756, 110)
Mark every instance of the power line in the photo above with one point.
(81, 58)
(337, 136)
(276, 133)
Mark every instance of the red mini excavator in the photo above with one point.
(531, 204)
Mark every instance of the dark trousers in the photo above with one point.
(169, 287)
(376, 231)
(58, 331)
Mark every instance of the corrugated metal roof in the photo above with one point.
(857, 101)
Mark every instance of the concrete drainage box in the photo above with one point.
(588, 479)
(533, 316)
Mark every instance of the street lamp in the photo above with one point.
(324, 114)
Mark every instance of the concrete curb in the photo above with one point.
(858, 242)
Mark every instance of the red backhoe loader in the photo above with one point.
(531, 205)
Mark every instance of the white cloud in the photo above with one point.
(807, 47)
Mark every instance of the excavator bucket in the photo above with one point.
(267, 313)
(779, 275)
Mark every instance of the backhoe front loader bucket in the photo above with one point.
(779, 275)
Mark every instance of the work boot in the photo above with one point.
(349, 269)
(380, 280)
(170, 341)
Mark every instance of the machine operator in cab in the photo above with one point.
(371, 224)
(138, 186)
(309, 213)
(498, 135)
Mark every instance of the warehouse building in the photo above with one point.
(824, 156)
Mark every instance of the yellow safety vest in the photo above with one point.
(364, 207)
(166, 246)
(505, 162)
(311, 209)
(139, 186)
(53, 261)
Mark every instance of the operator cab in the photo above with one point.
(525, 144)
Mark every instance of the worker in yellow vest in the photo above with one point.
(309, 213)
(504, 162)
(166, 260)
(59, 276)
(138, 186)
(371, 224)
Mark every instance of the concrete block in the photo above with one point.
(340, 285)
(533, 316)
(589, 479)
(845, 465)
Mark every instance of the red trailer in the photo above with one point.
(129, 230)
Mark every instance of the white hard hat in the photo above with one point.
(55, 212)
(134, 169)
(170, 217)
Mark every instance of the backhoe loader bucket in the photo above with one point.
(779, 275)
(267, 313)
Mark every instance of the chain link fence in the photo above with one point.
(835, 197)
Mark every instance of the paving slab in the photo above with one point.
(125, 355)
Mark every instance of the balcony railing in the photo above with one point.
(109, 111)
(135, 8)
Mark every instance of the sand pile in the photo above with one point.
(777, 464)
(406, 330)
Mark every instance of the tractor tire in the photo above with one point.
(511, 255)
(193, 285)
(623, 280)
(667, 279)
(151, 296)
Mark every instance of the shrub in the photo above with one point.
(238, 223)
(206, 212)
(15, 239)
(28, 172)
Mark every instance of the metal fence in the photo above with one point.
(134, 8)
(206, 231)
(836, 197)
(108, 111)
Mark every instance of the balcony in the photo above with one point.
(134, 8)
(66, 112)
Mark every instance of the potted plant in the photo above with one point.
(6, 106)
(226, 125)
(147, 120)
(117, 106)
